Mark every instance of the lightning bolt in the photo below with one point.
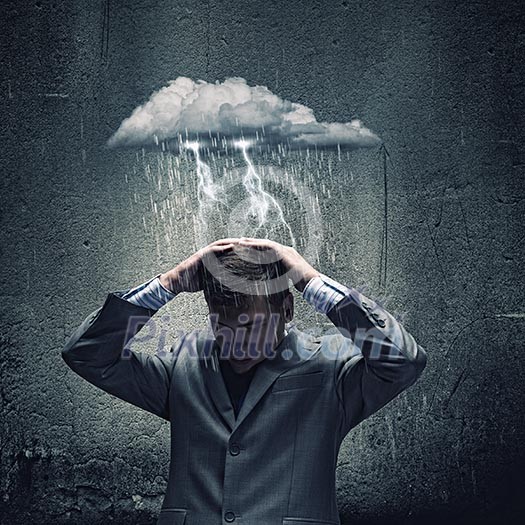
(206, 188)
(208, 193)
(263, 211)
(260, 200)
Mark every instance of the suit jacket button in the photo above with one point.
(229, 516)
(379, 321)
(234, 449)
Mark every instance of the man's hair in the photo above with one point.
(232, 266)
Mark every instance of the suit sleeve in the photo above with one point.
(381, 361)
(98, 351)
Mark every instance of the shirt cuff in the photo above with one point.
(324, 293)
(150, 294)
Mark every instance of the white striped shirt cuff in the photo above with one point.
(150, 294)
(324, 293)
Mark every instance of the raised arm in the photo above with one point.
(98, 350)
(382, 360)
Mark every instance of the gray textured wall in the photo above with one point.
(440, 81)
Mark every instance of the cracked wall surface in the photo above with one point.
(440, 82)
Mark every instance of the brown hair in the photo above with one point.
(232, 265)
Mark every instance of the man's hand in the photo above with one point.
(299, 271)
(186, 277)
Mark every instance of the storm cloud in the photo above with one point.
(189, 110)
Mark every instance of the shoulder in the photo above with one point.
(327, 350)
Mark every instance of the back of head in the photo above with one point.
(233, 280)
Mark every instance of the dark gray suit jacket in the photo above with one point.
(275, 464)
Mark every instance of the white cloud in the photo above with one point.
(231, 109)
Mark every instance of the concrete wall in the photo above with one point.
(440, 81)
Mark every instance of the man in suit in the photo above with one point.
(257, 411)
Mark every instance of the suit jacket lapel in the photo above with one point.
(293, 349)
(285, 357)
(213, 379)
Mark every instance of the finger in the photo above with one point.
(228, 240)
(262, 243)
(211, 252)
(222, 247)
(255, 243)
(259, 254)
(221, 242)
(254, 247)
